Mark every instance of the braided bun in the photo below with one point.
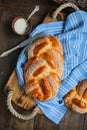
(76, 99)
(44, 68)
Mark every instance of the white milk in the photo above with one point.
(20, 26)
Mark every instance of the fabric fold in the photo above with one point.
(73, 35)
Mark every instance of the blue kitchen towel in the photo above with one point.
(73, 35)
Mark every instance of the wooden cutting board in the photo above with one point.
(19, 98)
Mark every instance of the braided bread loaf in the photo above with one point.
(44, 68)
(76, 99)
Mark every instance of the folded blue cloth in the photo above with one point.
(73, 36)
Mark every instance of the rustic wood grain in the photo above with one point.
(8, 10)
(16, 124)
(44, 123)
(72, 121)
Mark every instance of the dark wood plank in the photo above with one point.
(44, 123)
(16, 124)
(72, 121)
(20, 8)
(8, 10)
(85, 122)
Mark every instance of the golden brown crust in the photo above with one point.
(56, 44)
(40, 70)
(76, 99)
(47, 91)
(39, 47)
(50, 60)
(44, 68)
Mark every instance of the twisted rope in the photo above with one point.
(15, 113)
(62, 7)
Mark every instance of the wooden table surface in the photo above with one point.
(8, 39)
